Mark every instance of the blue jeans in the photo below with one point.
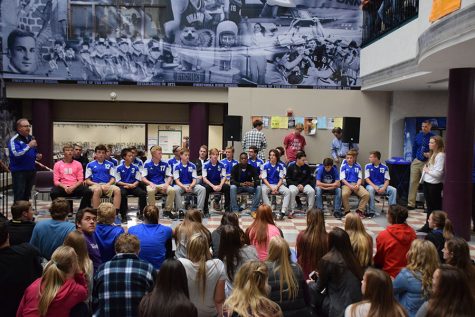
(256, 191)
(390, 191)
(337, 201)
(22, 183)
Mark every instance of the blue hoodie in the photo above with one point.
(105, 237)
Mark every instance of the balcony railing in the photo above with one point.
(382, 16)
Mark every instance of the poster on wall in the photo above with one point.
(441, 8)
(167, 139)
(221, 43)
(310, 126)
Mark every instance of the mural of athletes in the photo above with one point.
(222, 43)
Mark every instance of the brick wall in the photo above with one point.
(31, 21)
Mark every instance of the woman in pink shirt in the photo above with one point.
(61, 287)
(262, 230)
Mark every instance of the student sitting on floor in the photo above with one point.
(49, 234)
(393, 243)
(22, 223)
(106, 232)
(378, 297)
(20, 265)
(155, 239)
(286, 280)
(440, 230)
(86, 223)
(120, 284)
(61, 287)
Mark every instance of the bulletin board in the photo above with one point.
(167, 139)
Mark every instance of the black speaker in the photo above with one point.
(232, 128)
(351, 129)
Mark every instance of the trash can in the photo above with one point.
(400, 172)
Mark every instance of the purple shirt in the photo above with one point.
(93, 250)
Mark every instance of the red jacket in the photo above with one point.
(73, 292)
(392, 245)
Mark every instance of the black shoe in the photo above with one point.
(338, 215)
(411, 208)
(181, 214)
(281, 216)
(139, 216)
(123, 220)
(169, 214)
(425, 228)
(369, 215)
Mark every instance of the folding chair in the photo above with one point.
(44, 183)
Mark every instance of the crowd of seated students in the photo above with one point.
(95, 267)
(177, 179)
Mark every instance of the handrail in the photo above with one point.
(383, 16)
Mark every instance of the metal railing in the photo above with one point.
(5, 182)
(382, 16)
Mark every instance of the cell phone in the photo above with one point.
(313, 275)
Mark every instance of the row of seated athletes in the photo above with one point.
(178, 178)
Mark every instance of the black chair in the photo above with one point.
(44, 183)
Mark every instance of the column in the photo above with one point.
(459, 143)
(42, 121)
(199, 118)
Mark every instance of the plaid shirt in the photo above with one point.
(256, 138)
(120, 284)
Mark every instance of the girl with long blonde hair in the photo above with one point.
(378, 297)
(249, 295)
(413, 285)
(433, 177)
(206, 277)
(75, 239)
(61, 287)
(361, 241)
(286, 279)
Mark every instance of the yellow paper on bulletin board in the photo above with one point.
(278, 122)
(338, 122)
(441, 8)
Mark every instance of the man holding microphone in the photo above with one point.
(23, 154)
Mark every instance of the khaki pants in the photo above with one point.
(158, 188)
(362, 193)
(416, 173)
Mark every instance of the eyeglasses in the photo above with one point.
(25, 126)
